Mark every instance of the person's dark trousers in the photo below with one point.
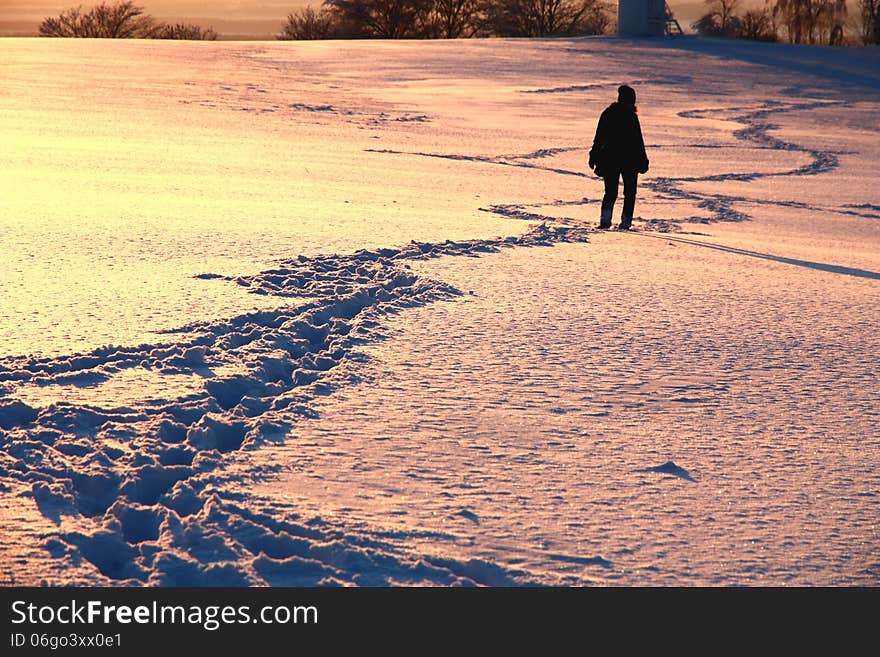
(612, 183)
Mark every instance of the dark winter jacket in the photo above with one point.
(618, 145)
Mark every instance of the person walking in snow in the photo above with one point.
(619, 152)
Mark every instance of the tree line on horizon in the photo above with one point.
(353, 19)
(794, 21)
(447, 19)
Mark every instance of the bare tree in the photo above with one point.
(795, 16)
(812, 21)
(184, 32)
(68, 24)
(719, 20)
(123, 20)
(756, 25)
(538, 18)
(307, 24)
(707, 25)
(596, 19)
(387, 19)
(724, 10)
(869, 11)
(452, 19)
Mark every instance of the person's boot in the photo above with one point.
(625, 223)
(605, 220)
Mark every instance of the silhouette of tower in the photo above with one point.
(641, 17)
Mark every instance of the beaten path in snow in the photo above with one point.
(689, 404)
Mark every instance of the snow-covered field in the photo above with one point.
(317, 313)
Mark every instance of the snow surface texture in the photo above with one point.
(412, 399)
